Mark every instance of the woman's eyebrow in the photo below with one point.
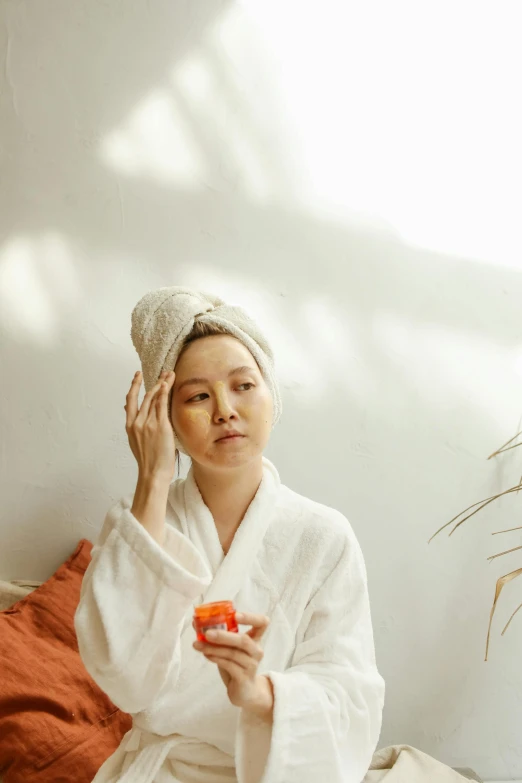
(243, 368)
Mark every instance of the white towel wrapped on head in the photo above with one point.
(163, 318)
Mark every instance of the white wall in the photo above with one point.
(350, 173)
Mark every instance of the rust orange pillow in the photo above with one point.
(56, 725)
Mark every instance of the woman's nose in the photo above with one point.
(223, 404)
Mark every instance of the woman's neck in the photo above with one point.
(228, 494)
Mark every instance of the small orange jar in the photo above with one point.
(220, 616)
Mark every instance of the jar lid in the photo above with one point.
(218, 607)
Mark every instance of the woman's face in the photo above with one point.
(229, 393)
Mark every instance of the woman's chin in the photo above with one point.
(226, 458)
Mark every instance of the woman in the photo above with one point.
(295, 695)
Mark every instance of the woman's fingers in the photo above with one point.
(162, 397)
(151, 439)
(231, 667)
(237, 641)
(239, 657)
(259, 623)
(131, 400)
(143, 413)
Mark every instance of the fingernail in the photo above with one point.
(211, 635)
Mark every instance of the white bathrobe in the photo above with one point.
(292, 559)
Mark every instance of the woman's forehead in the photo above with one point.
(219, 354)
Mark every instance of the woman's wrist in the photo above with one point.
(153, 482)
(150, 504)
(262, 706)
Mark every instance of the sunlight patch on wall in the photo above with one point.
(153, 141)
(37, 282)
(214, 121)
(222, 127)
(390, 117)
(449, 369)
(331, 342)
(407, 115)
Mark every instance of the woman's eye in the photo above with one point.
(204, 394)
(192, 399)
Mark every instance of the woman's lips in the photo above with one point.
(229, 437)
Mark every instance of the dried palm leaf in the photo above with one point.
(503, 448)
(501, 581)
(478, 507)
(507, 624)
(481, 504)
(509, 530)
(504, 553)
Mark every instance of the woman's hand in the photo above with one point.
(237, 657)
(149, 429)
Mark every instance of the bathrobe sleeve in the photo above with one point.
(328, 703)
(134, 597)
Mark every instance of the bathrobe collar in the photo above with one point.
(197, 523)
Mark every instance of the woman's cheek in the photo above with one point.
(265, 404)
(196, 421)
